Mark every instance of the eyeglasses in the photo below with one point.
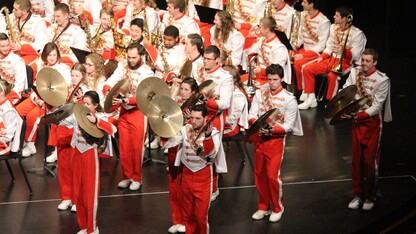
(205, 58)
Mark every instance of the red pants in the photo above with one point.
(259, 78)
(366, 135)
(86, 187)
(33, 115)
(28, 54)
(65, 155)
(175, 192)
(196, 187)
(297, 65)
(325, 66)
(131, 130)
(268, 158)
(217, 124)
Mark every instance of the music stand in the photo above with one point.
(283, 38)
(206, 14)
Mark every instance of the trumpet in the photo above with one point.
(250, 89)
(338, 68)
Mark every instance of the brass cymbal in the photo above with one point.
(147, 90)
(81, 113)
(165, 116)
(58, 115)
(342, 99)
(186, 69)
(259, 123)
(207, 88)
(51, 86)
(120, 88)
(353, 107)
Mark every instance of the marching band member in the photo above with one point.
(194, 49)
(8, 119)
(95, 79)
(270, 51)
(143, 9)
(119, 7)
(196, 156)
(339, 32)
(226, 37)
(220, 101)
(280, 11)
(243, 17)
(34, 107)
(65, 35)
(90, 8)
(237, 116)
(314, 32)
(29, 31)
(44, 9)
(176, 16)
(12, 69)
(170, 58)
(366, 128)
(269, 145)
(103, 35)
(131, 123)
(136, 35)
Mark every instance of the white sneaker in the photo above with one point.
(260, 214)
(303, 96)
(215, 194)
(355, 203)
(96, 231)
(64, 205)
(174, 228)
(83, 231)
(165, 151)
(274, 217)
(74, 208)
(29, 149)
(368, 205)
(124, 183)
(181, 228)
(53, 157)
(134, 185)
(308, 104)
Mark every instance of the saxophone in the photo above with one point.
(120, 47)
(87, 30)
(268, 9)
(294, 32)
(8, 24)
(98, 40)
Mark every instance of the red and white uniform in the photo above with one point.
(69, 36)
(269, 52)
(198, 70)
(269, 150)
(30, 33)
(233, 46)
(282, 16)
(44, 9)
(86, 176)
(243, 15)
(237, 116)
(93, 7)
(184, 23)
(175, 58)
(355, 46)
(131, 123)
(108, 41)
(366, 130)
(2, 23)
(313, 34)
(13, 70)
(216, 4)
(196, 175)
(10, 121)
(152, 16)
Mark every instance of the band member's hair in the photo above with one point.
(275, 69)
(227, 25)
(79, 67)
(98, 62)
(316, 3)
(138, 22)
(24, 5)
(212, 49)
(178, 4)
(3, 37)
(236, 77)
(95, 99)
(136, 45)
(108, 11)
(373, 52)
(62, 7)
(150, 3)
(344, 11)
(109, 67)
(200, 108)
(192, 83)
(47, 49)
(269, 22)
(171, 31)
(6, 87)
(197, 41)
